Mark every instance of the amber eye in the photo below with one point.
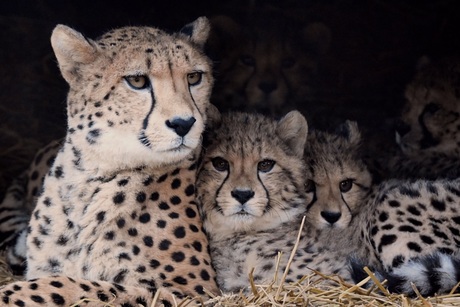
(138, 82)
(310, 186)
(346, 185)
(194, 78)
(248, 60)
(265, 166)
(220, 164)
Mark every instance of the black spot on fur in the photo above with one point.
(148, 241)
(57, 299)
(161, 223)
(205, 275)
(189, 190)
(154, 196)
(164, 244)
(179, 232)
(141, 197)
(178, 256)
(175, 200)
(438, 205)
(119, 198)
(414, 246)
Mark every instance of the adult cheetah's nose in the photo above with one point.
(242, 196)
(331, 217)
(181, 126)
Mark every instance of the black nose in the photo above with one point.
(242, 195)
(331, 217)
(181, 126)
(267, 87)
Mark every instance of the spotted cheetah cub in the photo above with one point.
(117, 220)
(252, 196)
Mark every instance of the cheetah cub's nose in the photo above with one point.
(242, 196)
(181, 126)
(331, 217)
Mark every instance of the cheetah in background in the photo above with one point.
(18, 204)
(118, 206)
(267, 61)
(428, 134)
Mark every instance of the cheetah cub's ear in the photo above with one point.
(293, 129)
(197, 31)
(72, 49)
(350, 131)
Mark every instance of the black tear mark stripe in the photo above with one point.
(218, 190)
(142, 137)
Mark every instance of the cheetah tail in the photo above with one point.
(434, 273)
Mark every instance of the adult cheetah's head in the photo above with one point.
(138, 96)
(252, 173)
(337, 178)
(430, 120)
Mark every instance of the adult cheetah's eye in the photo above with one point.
(310, 186)
(138, 82)
(265, 166)
(248, 60)
(220, 164)
(345, 185)
(194, 78)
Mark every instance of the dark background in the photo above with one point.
(374, 51)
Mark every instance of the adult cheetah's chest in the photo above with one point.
(131, 219)
(127, 227)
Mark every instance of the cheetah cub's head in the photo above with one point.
(337, 178)
(138, 96)
(252, 175)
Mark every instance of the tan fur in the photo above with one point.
(247, 235)
(118, 209)
(332, 160)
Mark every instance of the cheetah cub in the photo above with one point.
(252, 197)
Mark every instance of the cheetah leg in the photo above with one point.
(13, 216)
(65, 291)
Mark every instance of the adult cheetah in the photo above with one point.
(117, 220)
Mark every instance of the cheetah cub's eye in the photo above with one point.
(265, 166)
(194, 78)
(345, 185)
(138, 82)
(310, 186)
(220, 164)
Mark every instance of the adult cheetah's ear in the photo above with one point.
(293, 129)
(350, 131)
(72, 49)
(197, 31)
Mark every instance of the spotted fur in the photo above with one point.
(18, 204)
(429, 132)
(251, 189)
(118, 206)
